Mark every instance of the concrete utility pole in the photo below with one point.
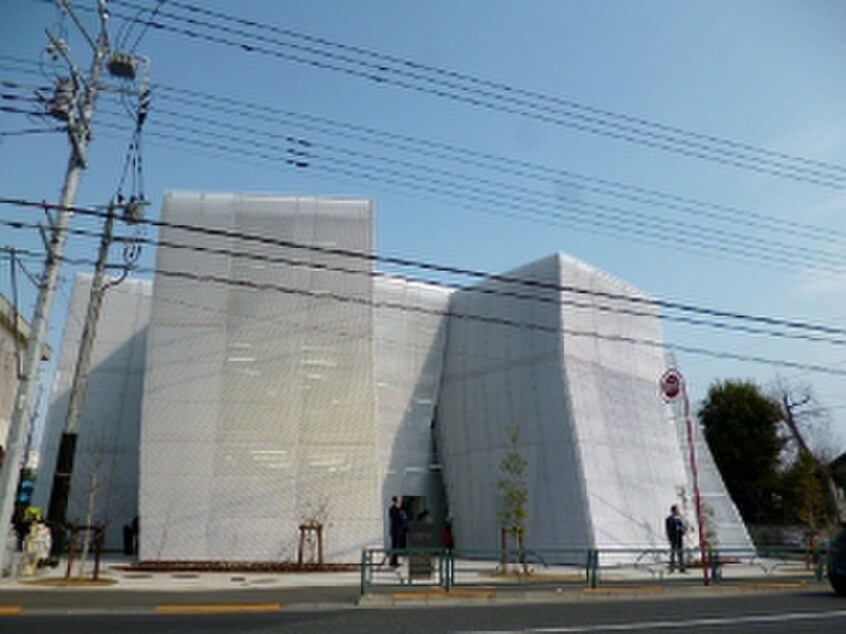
(67, 448)
(78, 108)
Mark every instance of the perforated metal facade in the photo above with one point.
(105, 470)
(257, 408)
(286, 380)
(571, 373)
(410, 340)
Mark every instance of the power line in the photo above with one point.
(496, 321)
(252, 111)
(466, 273)
(491, 291)
(304, 153)
(691, 321)
(488, 320)
(30, 131)
(464, 88)
(703, 238)
(14, 110)
(530, 203)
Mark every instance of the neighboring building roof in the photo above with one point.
(12, 321)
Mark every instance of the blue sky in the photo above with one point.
(765, 74)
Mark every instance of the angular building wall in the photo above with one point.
(258, 411)
(564, 369)
(288, 381)
(106, 459)
(409, 345)
(723, 522)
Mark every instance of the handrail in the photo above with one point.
(440, 566)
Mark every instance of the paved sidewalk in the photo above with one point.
(122, 588)
(116, 572)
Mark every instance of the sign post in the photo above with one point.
(672, 386)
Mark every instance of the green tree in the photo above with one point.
(806, 500)
(804, 417)
(804, 494)
(741, 425)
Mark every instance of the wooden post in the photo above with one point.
(320, 544)
(71, 552)
(308, 529)
(99, 534)
(521, 549)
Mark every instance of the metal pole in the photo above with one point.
(19, 425)
(89, 330)
(697, 499)
(67, 447)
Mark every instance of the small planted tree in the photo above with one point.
(514, 497)
(312, 523)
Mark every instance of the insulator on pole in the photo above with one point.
(62, 102)
(121, 64)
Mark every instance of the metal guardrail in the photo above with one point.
(422, 566)
(590, 568)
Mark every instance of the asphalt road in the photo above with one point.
(811, 610)
(95, 600)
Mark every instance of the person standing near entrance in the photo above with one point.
(675, 528)
(399, 528)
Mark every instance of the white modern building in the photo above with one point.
(105, 469)
(410, 340)
(564, 356)
(285, 384)
(287, 380)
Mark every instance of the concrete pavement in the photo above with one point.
(123, 588)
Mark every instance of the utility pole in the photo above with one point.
(78, 107)
(67, 448)
(672, 386)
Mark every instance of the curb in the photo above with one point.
(490, 595)
(217, 608)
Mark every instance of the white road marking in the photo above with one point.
(675, 625)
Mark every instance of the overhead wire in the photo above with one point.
(522, 202)
(485, 319)
(712, 234)
(495, 292)
(381, 338)
(542, 173)
(792, 365)
(30, 131)
(272, 259)
(470, 274)
(371, 157)
(493, 95)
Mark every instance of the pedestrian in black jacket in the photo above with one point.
(674, 525)
(399, 528)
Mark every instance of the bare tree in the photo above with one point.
(103, 499)
(804, 419)
(515, 496)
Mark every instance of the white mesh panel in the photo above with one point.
(107, 442)
(276, 377)
(409, 349)
(603, 461)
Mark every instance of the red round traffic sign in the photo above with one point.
(671, 383)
